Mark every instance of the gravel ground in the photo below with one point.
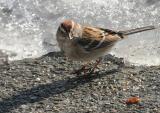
(45, 85)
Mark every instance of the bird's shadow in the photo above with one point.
(41, 92)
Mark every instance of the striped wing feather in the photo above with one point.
(95, 38)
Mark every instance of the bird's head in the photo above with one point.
(66, 28)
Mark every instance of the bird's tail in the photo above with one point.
(137, 30)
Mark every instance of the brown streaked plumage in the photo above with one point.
(86, 43)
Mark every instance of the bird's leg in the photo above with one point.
(95, 65)
(86, 70)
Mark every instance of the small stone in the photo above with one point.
(95, 96)
(33, 97)
(38, 79)
(99, 83)
(24, 106)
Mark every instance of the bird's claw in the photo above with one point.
(84, 71)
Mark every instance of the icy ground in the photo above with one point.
(28, 27)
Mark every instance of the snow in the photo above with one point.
(28, 27)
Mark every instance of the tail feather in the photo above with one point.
(137, 30)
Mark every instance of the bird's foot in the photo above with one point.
(84, 71)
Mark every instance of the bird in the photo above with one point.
(87, 43)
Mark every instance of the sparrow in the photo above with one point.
(87, 43)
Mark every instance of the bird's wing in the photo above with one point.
(96, 38)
